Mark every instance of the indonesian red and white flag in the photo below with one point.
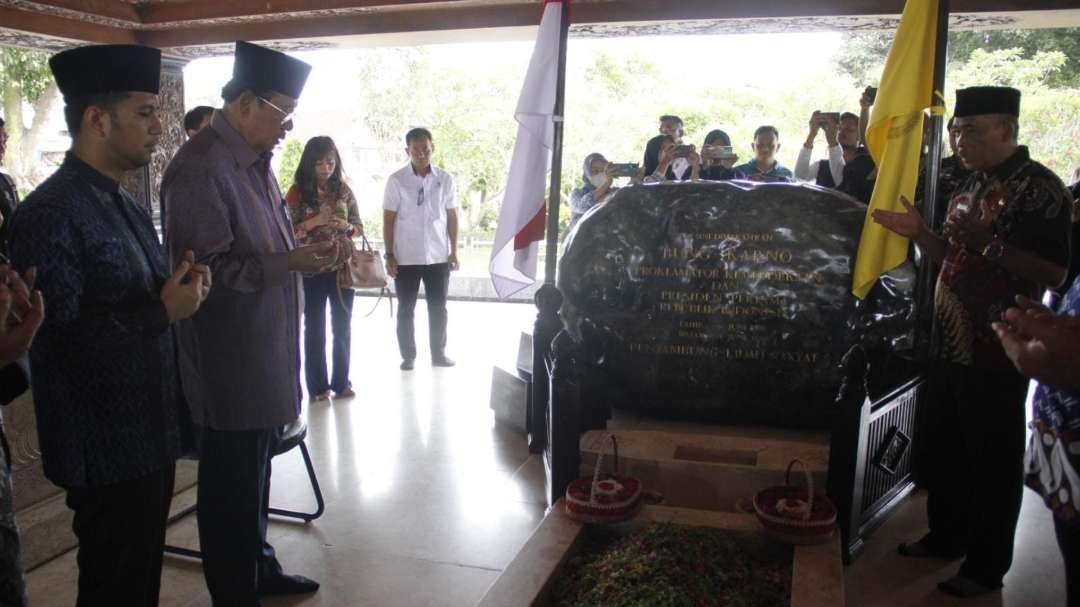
(521, 220)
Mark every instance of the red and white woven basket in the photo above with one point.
(604, 497)
(796, 514)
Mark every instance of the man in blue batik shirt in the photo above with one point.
(106, 392)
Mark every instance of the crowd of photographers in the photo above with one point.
(848, 167)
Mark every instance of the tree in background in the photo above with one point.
(469, 113)
(863, 53)
(25, 79)
(1043, 64)
(290, 159)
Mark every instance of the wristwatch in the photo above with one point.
(388, 256)
(994, 249)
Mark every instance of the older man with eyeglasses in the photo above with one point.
(240, 358)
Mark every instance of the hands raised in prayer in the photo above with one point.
(909, 224)
(22, 311)
(186, 289)
(1041, 344)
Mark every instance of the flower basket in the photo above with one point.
(604, 497)
(796, 514)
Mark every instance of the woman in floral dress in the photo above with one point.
(322, 207)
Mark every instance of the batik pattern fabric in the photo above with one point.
(103, 362)
(950, 177)
(1027, 207)
(342, 206)
(12, 582)
(1052, 462)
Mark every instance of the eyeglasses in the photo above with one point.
(285, 116)
(420, 197)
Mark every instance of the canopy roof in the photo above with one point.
(194, 28)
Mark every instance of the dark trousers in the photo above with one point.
(121, 532)
(436, 279)
(234, 494)
(318, 290)
(1068, 537)
(974, 466)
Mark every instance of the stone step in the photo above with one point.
(45, 526)
(720, 470)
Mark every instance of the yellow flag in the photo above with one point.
(894, 138)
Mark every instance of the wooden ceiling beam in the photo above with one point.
(351, 25)
(59, 27)
(195, 10)
(113, 9)
(512, 15)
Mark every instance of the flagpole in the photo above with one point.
(556, 155)
(548, 298)
(926, 331)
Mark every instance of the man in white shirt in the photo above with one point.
(673, 126)
(420, 226)
(842, 137)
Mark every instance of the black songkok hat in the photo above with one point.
(108, 68)
(987, 100)
(258, 68)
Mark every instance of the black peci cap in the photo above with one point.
(979, 100)
(259, 68)
(109, 68)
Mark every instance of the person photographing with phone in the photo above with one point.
(598, 175)
(718, 158)
(660, 155)
(841, 138)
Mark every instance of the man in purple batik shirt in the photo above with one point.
(240, 358)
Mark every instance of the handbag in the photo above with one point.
(364, 270)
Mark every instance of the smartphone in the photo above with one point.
(871, 94)
(625, 169)
(723, 152)
(682, 151)
(825, 116)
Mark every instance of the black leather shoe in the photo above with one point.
(407, 365)
(442, 361)
(283, 584)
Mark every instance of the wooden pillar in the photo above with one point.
(145, 183)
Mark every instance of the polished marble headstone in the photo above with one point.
(725, 302)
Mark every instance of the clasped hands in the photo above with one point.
(1041, 344)
(186, 289)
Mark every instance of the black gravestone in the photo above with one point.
(724, 302)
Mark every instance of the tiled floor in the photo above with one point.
(427, 499)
